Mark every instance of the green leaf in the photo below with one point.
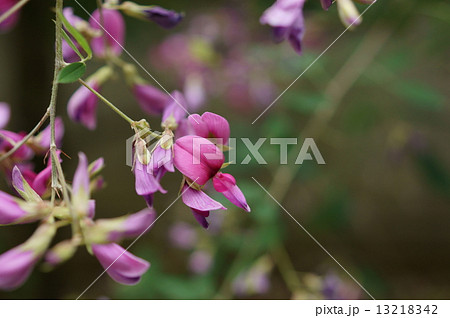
(420, 94)
(77, 35)
(71, 73)
(71, 44)
(306, 103)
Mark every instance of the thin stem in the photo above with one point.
(27, 137)
(107, 102)
(13, 9)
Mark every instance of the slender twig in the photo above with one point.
(13, 9)
(27, 137)
(107, 102)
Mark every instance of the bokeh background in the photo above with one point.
(376, 104)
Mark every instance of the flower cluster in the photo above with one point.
(287, 22)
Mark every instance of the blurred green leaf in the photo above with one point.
(306, 103)
(435, 172)
(419, 94)
(333, 213)
(71, 73)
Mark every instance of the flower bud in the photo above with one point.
(5, 113)
(163, 17)
(61, 252)
(121, 265)
(348, 13)
(80, 187)
(22, 187)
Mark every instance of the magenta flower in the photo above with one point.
(43, 140)
(326, 4)
(10, 211)
(286, 19)
(226, 184)
(15, 267)
(69, 54)
(82, 106)
(23, 153)
(121, 265)
(200, 203)
(11, 21)
(210, 125)
(16, 264)
(200, 262)
(183, 235)
(5, 113)
(41, 183)
(175, 111)
(151, 99)
(197, 158)
(116, 229)
(113, 33)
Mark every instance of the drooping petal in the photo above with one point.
(151, 99)
(199, 200)
(282, 13)
(226, 184)
(197, 158)
(113, 29)
(296, 33)
(201, 218)
(121, 265)
(146, 183)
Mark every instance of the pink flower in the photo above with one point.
(326, 4)
(69, 54)
(11, 21)
(22, 154)
(226, 184)
(82, 106)
(115, 229)
(200, 262)
(151, 99)
(197, 158)
(10, 211)
(15, 267)
(286, 18)
(121, 265)
(114, 36)
(210, 125)
(43, 140)
(200, 203)
(175, 111)
(5, 113)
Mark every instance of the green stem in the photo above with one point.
(107, 102)
(13, 9)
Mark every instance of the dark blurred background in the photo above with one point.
(376, 104)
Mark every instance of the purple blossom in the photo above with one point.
(15, 267)
(286, 19)
(163, 17)
(10, 211)
(151, 99)
(200, 262)
(82, 105)
(183, 235)
(113, 33)
(121, 265)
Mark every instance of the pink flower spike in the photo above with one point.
(15, 267)
(121, 265)
(226, 184)
(5, 113)
(197, 158)
(211, 125)
(113, 32)
(82, 106)
(151, 99)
